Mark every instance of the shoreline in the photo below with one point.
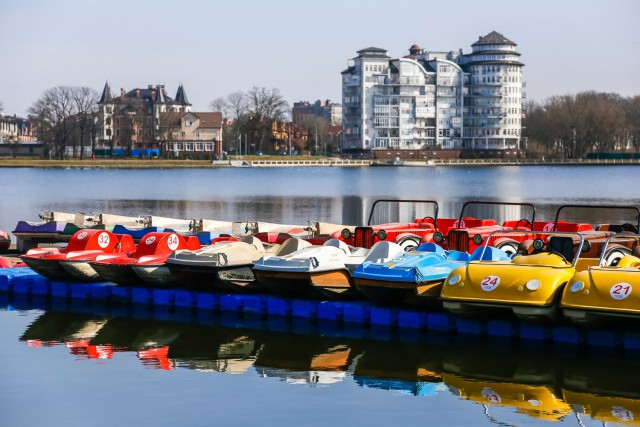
(286, 162)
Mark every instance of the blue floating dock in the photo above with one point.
(354, 319)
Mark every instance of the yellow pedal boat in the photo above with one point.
(606, 292)
(529, 285)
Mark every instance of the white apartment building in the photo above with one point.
(434, 100)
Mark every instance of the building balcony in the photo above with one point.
(351, 81)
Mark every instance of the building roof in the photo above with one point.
(161, 98)
(181, 96)
(372, 52)
(494, 52)
(493, 38)
(211, 120)
(348, 70)
(208, 120)
(106, 94)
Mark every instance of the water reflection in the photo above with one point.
(315, 194)
(539, 383)
(351, 210)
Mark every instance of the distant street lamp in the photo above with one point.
(316, 139)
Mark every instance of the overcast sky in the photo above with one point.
(300, 46)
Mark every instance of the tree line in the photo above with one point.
(65, 116)
(572, 126)
(563, 126)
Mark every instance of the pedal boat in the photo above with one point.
(147, 264)
(409, 235)
(528, 285)
(224, 265)
(72, 262)
(414, 277)
(319, 271)
(605, 293)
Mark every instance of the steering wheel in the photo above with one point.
(561, 256)
(424, 220)
(526, 222)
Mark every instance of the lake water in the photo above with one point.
(76, 365)
(299, 195)
(71, 365)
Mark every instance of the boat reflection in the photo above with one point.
(405, 368)
(525, 381)
(607, 389)
(536, 383)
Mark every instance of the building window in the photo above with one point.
(178, 146)
(188, 146)
(208, 146)
(189, 122)
(199, 146)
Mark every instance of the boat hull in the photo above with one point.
(121, 274)
(399, 293)
(156, 275)
(291, 284)
(240, 280)
(81, 270)
(4, 245)
(49, 268)
(335, 285)
(202, 277)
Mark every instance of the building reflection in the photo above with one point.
(534, 382)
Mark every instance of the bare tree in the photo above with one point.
(317, 132)
(266, 106)
(53, 112)
(631, 109)
(220, 104)
(85, 100)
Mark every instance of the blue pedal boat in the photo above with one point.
(415, 277)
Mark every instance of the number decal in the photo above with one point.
(173, 241)
(82, 235)
(150, 240)
(489, 283)
(621, 413)
(459, 224)
(620, 291)
(548, 226)
(491, 396)
(103, 240)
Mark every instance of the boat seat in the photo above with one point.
(384, 250)
(490, 254)
(618, 228)
(291, 245)
(430, 247)
(629, 261)
(252, 240)
(338, 244)
(562, 245)
(458, 256)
